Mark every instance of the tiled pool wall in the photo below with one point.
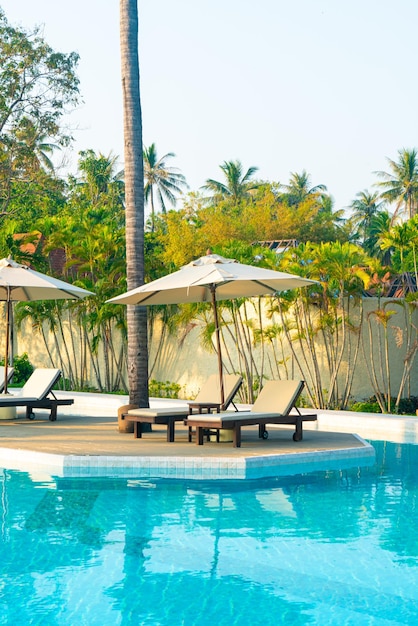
(213, 468)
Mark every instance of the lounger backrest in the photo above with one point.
(9, 375)
(211, 390)
(278, 396)
(40, 383)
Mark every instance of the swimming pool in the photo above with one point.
(331, 547)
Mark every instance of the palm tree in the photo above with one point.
(161, 179)
(401, 185)
(237, 185)
(99, 176)
(365, 207)
(34, 146)
(134, 202)
(380, 225)
(401, 239)
(299, 188)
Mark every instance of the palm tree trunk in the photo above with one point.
(305, 372)
(371, 365)
(47, 345)
(352, 357)
(134, 201)
(93, 360)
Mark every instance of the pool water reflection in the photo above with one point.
(331, 547)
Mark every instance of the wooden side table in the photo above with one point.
(204, 407)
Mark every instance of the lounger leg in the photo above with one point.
(137, 430)
(298, 434)
(237, 437)
(199, 435)
(170, 431)
(53, 414)
(30, 415)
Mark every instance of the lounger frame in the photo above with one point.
(218, 422)
(47, 400)
(235, 421)
(167, 417)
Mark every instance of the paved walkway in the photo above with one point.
(86, 445)
(100, 436)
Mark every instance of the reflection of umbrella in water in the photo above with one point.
(209, 279)
(18, 283)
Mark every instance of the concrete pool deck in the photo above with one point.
(85, 441)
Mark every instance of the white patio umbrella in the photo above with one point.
(209, 279)
(19, 283)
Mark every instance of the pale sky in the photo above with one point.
(329, 86)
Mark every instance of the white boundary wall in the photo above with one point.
(183, 359)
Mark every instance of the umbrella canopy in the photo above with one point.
(19, 283)
(195, 283)
(209, 279)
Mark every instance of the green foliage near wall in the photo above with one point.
(23, 368)
(407, 406)
(365, 407)
(159, 389)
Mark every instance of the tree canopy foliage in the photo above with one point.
(38, 85)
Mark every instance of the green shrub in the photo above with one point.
(408, 406)
(366, 407)
(159, 389)
(23, 368)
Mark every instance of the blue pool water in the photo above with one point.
(331, 547)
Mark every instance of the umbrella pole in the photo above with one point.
(6, 355)
(218, 341)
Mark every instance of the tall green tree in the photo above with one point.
(343, 271)
(380, 224)
(402, 243)
(35, 147)
(300, 188)
(134, 201)
(161, 181)
(237, 185)
(101, 186)
(365, 206)
(37, 86)
(400, 185)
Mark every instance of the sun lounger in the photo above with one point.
(208, 399)
(10, 371)
(273, 406)
(37, 394)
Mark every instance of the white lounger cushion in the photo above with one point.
(38, 385)
(12, 398)
(160, 412)
(223, 418)
(277, 398)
